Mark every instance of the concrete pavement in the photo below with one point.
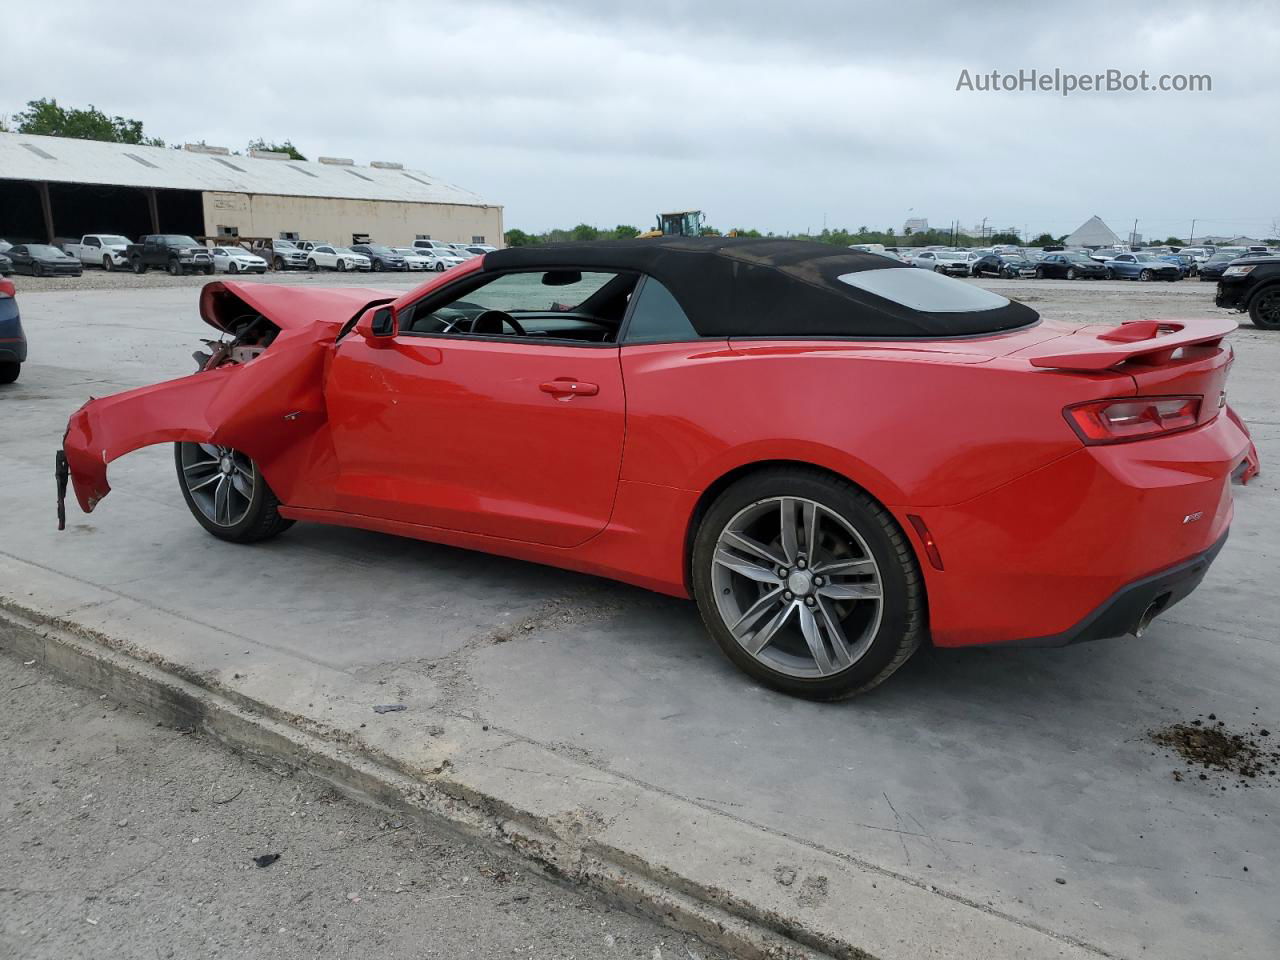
(595, 728)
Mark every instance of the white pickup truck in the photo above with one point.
(106, 250)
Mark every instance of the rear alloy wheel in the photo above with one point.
(1146, 275)
(1265, 309)
(807, 584)
(227, 494)
(138, 266)
(277, 264)
(1111, 274)
(1040, 274)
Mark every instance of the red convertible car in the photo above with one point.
(837, 456)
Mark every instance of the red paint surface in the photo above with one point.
(478, 444)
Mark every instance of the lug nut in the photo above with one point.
(788, 596)
(800, 563)
(818, 581)
(810, 601)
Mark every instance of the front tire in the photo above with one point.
(108, 264)
(807, 584)
(311, 266)
(1264, 311)
(1146, 276)
(1071, 273)
(138, 266)
(175, 268)
(227, 494)
(233, 267)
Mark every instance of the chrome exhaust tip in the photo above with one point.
(1153, 610)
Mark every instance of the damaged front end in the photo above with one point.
(259, 389)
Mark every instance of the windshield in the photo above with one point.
(377, 248)
(110, 240)
(44, 250)
(404, 251)
(1078, 257)
(1144, 257)
(346, 251)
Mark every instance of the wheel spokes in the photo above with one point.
(789, 529)
(760, 639)
(752, 571)
(850, 591)
(747, 545)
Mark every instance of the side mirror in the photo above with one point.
(378, 325)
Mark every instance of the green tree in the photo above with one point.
(1004, 238)
(518, 238)
(46, 118)
(1174, 242)
(624, 231)
(285, 146)
(1044, 240)
(584, 233)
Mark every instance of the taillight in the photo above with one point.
(7, 289)
(1135, 418)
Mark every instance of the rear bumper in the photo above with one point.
(1131, 608)
(1063, 553)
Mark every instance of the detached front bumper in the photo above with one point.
(1231, 296)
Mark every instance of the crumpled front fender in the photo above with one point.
(271, 408)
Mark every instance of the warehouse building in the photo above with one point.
(55, 187)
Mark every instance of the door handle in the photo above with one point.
(568, 387)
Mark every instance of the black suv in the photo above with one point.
(1253, 285)
(381, 257)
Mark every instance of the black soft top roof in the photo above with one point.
(740, 287)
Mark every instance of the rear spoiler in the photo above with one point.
(1148, 342)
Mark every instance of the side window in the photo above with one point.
(657, 317)
(553, 304)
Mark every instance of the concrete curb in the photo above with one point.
(623, 842)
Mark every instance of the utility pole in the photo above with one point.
(983, 230)
(1192, 239)
(1133, 234)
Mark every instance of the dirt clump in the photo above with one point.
(1211, 746)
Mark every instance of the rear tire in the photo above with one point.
(241, 508)
(9, 370)
(36, 269)
(1264, 311)
(138, 266)
(277, 263)
(1040, 274)
(834, 636)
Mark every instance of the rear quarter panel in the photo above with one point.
(913, 424)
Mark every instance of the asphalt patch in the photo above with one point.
(1207, 743)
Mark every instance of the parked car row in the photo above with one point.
(179, 254)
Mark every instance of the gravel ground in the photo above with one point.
(124, 839)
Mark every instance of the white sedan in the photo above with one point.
(237, 260)
(442, 258)
(327, 257)
(414, 258)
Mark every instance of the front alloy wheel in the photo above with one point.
(1265, 309)
(227, 494)
(807, 584)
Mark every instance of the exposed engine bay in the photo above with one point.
(250, 335)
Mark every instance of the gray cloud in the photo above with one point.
(764, 114)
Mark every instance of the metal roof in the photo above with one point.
(65, 160)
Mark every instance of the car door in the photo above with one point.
(324, 256)
(498, 435)
(1125, 265)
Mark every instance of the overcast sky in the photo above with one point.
(776, 115)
